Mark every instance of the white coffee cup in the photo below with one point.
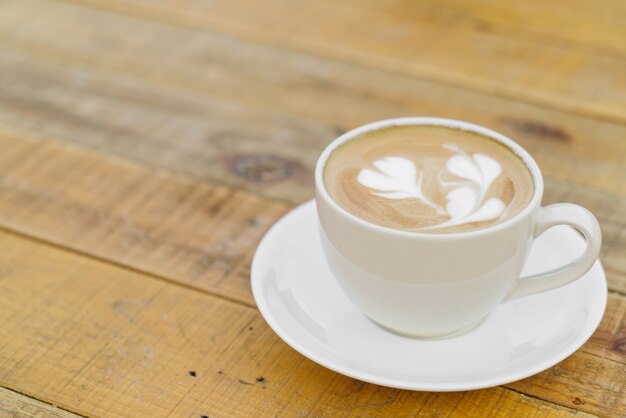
(433, 285)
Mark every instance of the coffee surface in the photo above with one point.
(428, 179)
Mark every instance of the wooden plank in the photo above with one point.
(100, 339)
(596, 27)
(198, 234)
(407, 42)
(62, 209)
(563, 384)
(609, 340)
(104, 340)
(165, 224)
(126, 100)
(210, 139)
(597, 403)
(207, 137)
(15, 405)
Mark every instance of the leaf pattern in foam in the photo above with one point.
(401, 170)
(377, 181)
(461, 201)
(396, 178)
(492, 208)
(489, 168)
(463, 166)
(397, 175)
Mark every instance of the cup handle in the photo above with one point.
(562, 214)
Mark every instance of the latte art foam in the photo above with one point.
(428, 179)
(465, 200)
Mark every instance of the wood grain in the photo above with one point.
(404, 41)
(15, 405)
(594, 27)
(124, 267)
(124, 216)
(581, 380)
(108, 340)
(218, 97)
(212, 139)
(200, 235)
(180, 228)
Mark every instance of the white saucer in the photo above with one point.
(299, 298)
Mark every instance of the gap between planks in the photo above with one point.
(126, 267)
(578, 411)
(69, 412)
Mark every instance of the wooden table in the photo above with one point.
(146, 147)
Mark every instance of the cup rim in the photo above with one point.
(432, 121)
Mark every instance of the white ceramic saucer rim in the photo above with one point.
(336, 366)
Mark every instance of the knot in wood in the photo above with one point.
(260, 168)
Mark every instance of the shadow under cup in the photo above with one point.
(418, 284)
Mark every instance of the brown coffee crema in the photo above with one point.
(428, 179)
